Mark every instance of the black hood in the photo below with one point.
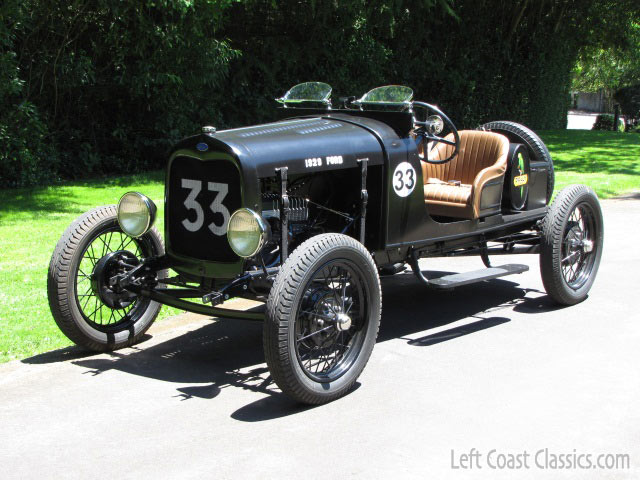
(343, 139)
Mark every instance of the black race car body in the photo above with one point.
(315, 143)
(304, 214)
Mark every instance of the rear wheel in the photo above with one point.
(571, 248)
(87, 309)
(323, 314)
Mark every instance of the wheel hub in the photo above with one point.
(576, 242)
(325, 311)
(343, 322)
(106, 268)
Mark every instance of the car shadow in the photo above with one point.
(228, 353)
(62, 355)
(407, 311)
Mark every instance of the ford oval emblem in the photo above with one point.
(203, 147)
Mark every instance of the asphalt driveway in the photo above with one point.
(493, 368)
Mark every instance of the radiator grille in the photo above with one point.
(201, 196)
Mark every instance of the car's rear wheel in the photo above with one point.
(323, 314)
(88, 310)
(571, 248)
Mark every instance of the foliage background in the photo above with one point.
(612, 65)
(96, 87)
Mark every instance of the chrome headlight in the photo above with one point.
(247, 232)
(136, 214)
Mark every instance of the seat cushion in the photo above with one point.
(448, 200)
(482, 157)
(478, 150)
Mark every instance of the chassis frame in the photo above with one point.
(507, 239)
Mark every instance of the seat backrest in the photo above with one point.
(478, 150)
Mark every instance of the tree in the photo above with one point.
(611, 59)
(91, 87)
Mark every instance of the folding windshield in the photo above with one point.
(388, 95)
(317, 92)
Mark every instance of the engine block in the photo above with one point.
(298, 207)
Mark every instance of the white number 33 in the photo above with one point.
(216, 206)
(404, 179)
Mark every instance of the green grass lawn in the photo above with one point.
(32, 220)
(609, 162)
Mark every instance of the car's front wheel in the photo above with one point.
(323, 314)
(89, 311)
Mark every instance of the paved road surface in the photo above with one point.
(490, 366)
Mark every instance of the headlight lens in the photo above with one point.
(247, 232)
(136, 214)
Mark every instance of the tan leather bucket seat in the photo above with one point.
(470, 185)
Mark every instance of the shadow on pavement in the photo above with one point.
(274, 406)
(458, 331)
(61, 355)
(228, 353)
(409, 308)
(269, 408)
(538, 305)
(629, 196)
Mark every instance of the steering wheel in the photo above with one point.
(432, 126)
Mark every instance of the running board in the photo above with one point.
(459, 279)
(465, 278)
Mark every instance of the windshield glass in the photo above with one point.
(307, 92)
(388, 95)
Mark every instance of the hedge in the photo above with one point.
(97, 87)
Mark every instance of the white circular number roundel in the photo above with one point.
(404, 179)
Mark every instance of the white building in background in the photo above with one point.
(599, 102)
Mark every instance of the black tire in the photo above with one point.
(571, 246)
(105, 328)
(294, 330)
(538, 151)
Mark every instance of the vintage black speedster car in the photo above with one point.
(304, 214)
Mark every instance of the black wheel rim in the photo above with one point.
(331, 320)
(579, 246)
(97, 314)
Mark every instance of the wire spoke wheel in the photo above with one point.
(90, 304)
(571, 247)
(578, 246)
(330, 321)
(322, 318)
(89, 309)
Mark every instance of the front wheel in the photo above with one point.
(572, 238)
(88, 310)
(323, 314)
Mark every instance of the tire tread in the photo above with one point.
(58, 277)
(553, 226)
(279, 306)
